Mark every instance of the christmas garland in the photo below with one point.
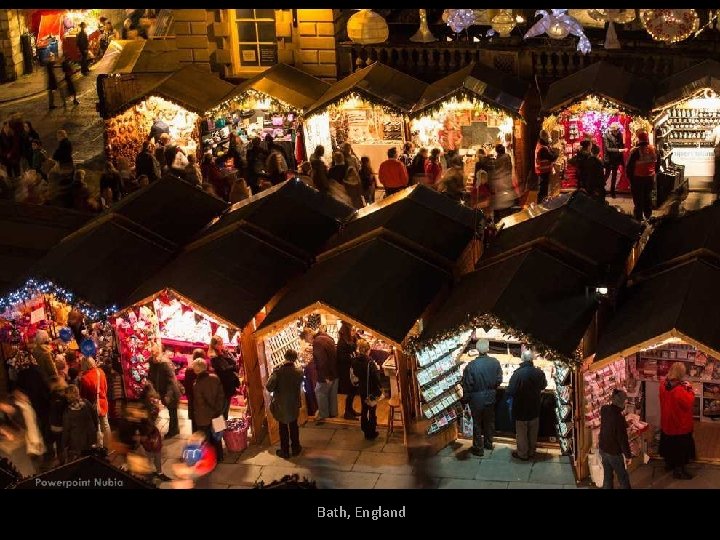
(367, 100)
(474, 103)
(670, 25)
(248, 100)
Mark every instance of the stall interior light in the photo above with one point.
(602, 291)
(664, 342)
(707, 101)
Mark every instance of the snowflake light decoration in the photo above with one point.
(459, 19)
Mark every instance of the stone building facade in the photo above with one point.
(12, 26)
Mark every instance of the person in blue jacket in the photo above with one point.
(525, 389)
(480, 381)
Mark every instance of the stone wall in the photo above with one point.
(315, 38)
(12, 26)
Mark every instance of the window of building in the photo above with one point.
(256, 38)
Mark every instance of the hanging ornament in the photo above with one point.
(367, 28)
(670, 25)
(611, 39)
(557, 24)
(619, 16)
(423, 35)
(459, 19)
(504, 22)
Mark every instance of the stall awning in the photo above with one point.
(191, 87)
(605, 80)
(590, 235)
(231, 274)
(688, 82)
(680, 302)
(482, 82)
(105, 261)
(139, 56)
(378, 284)
(425, 218)
(287, 84)
(27, 233)
(377, 83)
(172, 208)
(90, 469)
(300, 217)
(695, 234)
(532, 293)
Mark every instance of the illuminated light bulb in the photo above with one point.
(519, 19)
(558, 31)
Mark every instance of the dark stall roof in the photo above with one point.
(677, 303)
(419, 214)
(105, 261)
(288, 84)
(191, 87)
(483, 82)
(377, 284)
(531, 292)
(605, 80)
(27, 233)
(91, 469)
(688, 82)
(293, 212)
(139, 56)
(172, 208)
(377, 83)
(231, 274)
(593, 235)
(695, 234)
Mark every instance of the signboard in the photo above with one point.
(268, 55)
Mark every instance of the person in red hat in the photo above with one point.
(641, 167)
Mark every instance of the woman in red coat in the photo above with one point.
(677, 445)
(93, 388)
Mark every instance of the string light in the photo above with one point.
(459, 19)
(251, 100)
(356, 100)
(670, 25)
(33, 288)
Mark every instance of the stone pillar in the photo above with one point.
(12, 26)
(316, 49)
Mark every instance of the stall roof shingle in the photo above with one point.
(681, 299)
(377, 284)
(485, 83)
(532, 292)
(688, 82)
(605, 80)
(379, 83)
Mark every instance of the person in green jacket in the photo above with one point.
(284, 384)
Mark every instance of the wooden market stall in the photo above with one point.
(367, 109)
(256, 249)
(475, 107)
(588, 102)
(180, 99)
(272, 103)
(663, 319)
(686, 117)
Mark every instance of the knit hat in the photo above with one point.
(42, 337)
(643, 137)
(619, 397)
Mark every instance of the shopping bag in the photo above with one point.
(218, 424)
(467, 423)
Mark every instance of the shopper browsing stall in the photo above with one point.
(325, 359)
(209, 401)
(225, 367)
(368, 383)
(614, 445)
(614, 148)
(677, 444)
(162, 376)
(392, 174)
(284, 385)
(544, 158)
(525, 389)
(641, 167)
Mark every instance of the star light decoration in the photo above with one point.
(33, 287)
(557, 24)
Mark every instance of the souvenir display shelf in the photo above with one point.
(692, 127)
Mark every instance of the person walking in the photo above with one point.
(339, 168)
(416, 169)
(525, 388)
(346, 347)
(58, 406)
(284, 385)
(614, 446)
(162, 376)
(641, 167)
(501, 184)
(325, 359)
(226, 368)
(613, 156)
(52, 83)
(480, 381)
(367, 180)
(188, 384)
(393, 174)
(209, 401)
(433, 167)
(70, 89)
(93, 389)
(83, 45)
(80, 425)
(110, 179)
(677, 445)
(368, 383)
(64, 152)
(545, 156)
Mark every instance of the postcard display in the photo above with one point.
(440, 369)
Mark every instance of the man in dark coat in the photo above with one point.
(325, 358)
(162, 376)
(52, 83)
(525, 389)
(64, 151)
(614, 149)
(80, 425)
(208, 401)
(284, 385)
(83, 45)
(480, 381)
(614, 445)
(145, 163)
(369, 387)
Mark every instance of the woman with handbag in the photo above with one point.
(150, 437)
(162, 376)
(366, 371)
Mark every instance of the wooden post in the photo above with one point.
(256, 389)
